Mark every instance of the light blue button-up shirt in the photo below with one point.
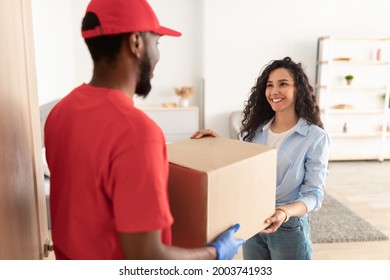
(302, 164)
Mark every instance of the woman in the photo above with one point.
(282, 112)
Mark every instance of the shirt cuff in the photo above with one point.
(310, 203)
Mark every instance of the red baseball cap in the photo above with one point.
(124, 16)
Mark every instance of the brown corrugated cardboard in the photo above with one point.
(215, 183)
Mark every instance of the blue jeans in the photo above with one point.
(290, 242)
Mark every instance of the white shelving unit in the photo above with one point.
(356, 116)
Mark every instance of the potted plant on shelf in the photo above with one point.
(349, 79)
(384, 97)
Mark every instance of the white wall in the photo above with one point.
(226, 42)
(53, 47)
(181, 62)
(241, 36)
(63, 61)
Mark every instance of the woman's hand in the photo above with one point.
(203, 133)
(275, 222)
(297, 208)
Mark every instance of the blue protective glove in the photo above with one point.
(226, 245)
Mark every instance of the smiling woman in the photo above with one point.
(280, 93)
(282, 113)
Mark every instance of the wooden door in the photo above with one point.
(23, 220)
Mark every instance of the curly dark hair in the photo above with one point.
(258, 111)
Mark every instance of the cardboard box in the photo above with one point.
(215, 183)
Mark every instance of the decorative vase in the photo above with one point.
(379, 54)
(349, 82)
(184, 102)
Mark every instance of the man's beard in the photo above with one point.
(144, 86)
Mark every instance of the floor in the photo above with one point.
(364, 187)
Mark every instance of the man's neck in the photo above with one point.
(113, 79)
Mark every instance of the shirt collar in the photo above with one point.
(302, 126)
(268, 124)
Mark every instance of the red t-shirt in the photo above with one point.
(108, 173)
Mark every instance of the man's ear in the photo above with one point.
(136, 44)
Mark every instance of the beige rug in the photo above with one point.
(336, 223)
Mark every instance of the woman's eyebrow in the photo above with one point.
(281, 80)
